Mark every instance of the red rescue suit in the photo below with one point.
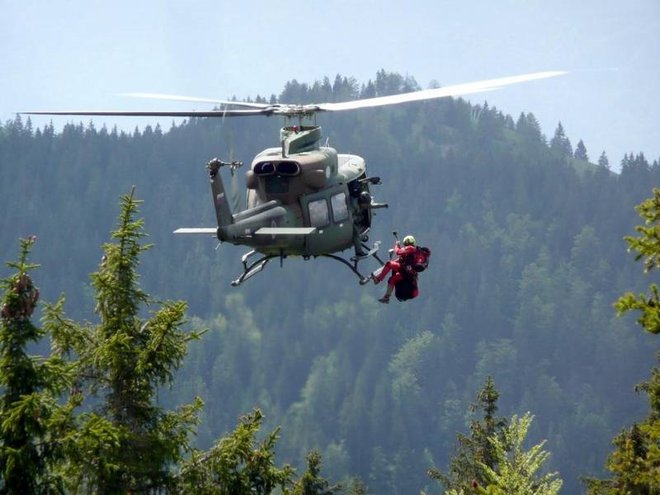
(401, 267)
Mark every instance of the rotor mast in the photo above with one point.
(297, 139)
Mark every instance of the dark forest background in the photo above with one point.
(526, 232)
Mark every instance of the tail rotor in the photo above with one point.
(234, 191)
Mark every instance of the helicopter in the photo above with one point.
(302, 199)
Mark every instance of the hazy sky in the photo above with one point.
(75, 54)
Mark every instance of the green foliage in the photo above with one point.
(581, 151)
(647, 246)
(238, 464)
(560, 143)
(493, 461)
(647, 304)
(476, 453)
(603, 161)
(635, 462)
(127, 443)
(409, 366)
(30, 413)
(311, 482)
(357, 487)
(514, 471)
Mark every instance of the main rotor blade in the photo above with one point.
(211, 113)
(427, 94)
(161, 96)
(308, 110)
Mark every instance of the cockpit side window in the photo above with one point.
(339, 207)
(319, 216)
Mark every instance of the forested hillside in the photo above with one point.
(528, 258)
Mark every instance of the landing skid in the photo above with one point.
(368, 253)
(351, 265)
(251, 269)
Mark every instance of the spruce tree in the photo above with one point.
(127, 443)
(237, 464)
(30, 385)
(311, 482)
(476, 452)
(635, 462)
(529, 126)
(516, 468)
(560, 143)
(581, 151)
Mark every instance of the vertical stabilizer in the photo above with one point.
(220, 203)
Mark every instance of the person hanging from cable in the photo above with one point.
(410, 260)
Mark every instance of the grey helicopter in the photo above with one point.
(302, 198)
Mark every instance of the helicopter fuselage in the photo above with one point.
(302, 200)
(307, 203)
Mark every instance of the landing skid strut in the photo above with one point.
(250, 270)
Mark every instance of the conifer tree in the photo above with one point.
(237, 464)
(357, 487)
(127, 444)
(311, 482)
(603, 161)
(647, 246)
(635, 462)
(492, 461)
(581, 151)
(516, 468)
(30, 386)
(560, 142)
(476, 452)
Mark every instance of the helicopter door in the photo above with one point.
(328, 211)
(361, 202)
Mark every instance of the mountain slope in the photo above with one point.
(527, 259)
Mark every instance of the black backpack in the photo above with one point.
(405, 288)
